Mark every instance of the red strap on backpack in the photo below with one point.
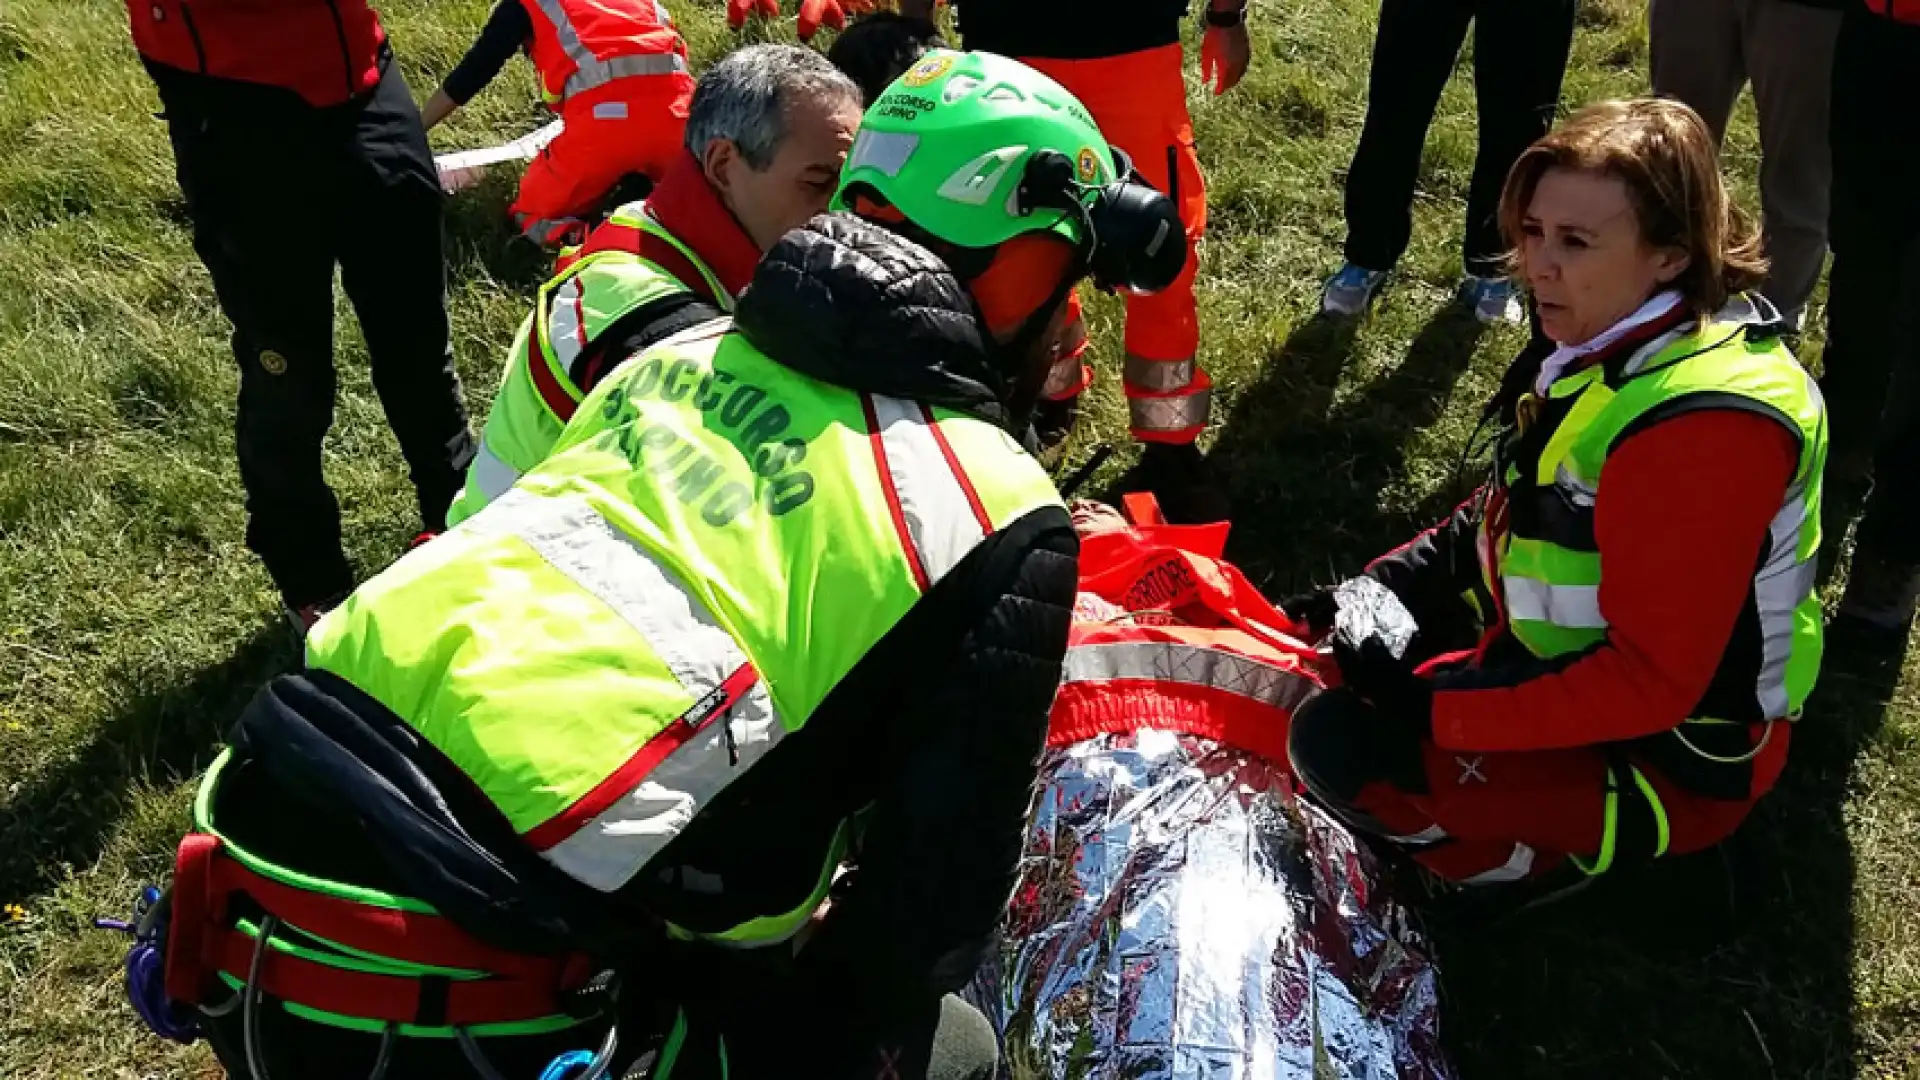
(412, 937)
(190, 918)
(201, 939)
(430, 1001)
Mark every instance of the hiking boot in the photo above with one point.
(1881, 595)
(1494, 300)
(1182, 483)
(1349, 292)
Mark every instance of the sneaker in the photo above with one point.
(1351, 290)
(1493, 300)
(420, 539)
(1880, 595)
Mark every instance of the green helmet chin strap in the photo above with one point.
(976, 149)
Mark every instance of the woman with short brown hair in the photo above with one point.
(1601, 668)
(1662, 158)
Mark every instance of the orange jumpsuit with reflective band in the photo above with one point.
(1139, 100)
(616, 72)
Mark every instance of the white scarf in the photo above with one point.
(1563, 357)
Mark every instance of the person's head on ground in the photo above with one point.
(1622, 201)
(1003, 175)
(771, 126)
(880, 47)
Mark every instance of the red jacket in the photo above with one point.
(327, 51)
(582, 45)
(1706, 484)
(686, 206)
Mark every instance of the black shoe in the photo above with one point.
(1472, 907)
(1181, 481)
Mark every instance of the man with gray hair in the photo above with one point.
(766, 135)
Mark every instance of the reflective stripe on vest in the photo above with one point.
(602, 72)
(930, 500)
(1782, 590)
(537, 395)
(713, 545)
(489, 475)
(606, 835)
(1572, 606)
(591, 70)
(576, 307)
(1548, 562)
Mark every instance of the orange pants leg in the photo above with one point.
(1139, 101)
(619, 130)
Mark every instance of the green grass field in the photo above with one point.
(134, 624)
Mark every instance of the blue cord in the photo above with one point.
(568, 1064)
(147, 972)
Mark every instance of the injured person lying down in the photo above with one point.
(1180, 913)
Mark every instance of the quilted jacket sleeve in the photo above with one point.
(939, 856)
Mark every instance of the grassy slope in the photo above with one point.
(135, 623)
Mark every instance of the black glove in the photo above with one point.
(1314, 610)
(1387, 683)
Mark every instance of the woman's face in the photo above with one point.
(1583, 256)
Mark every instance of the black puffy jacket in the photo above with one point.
(936, 732)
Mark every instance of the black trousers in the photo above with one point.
(279, 193)
(1520, 52)
(1872, 360)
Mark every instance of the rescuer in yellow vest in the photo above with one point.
(1618, 630)
(780, 617)
(768, 134)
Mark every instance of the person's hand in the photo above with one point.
(437, 108)
(1387, 683)
(1313, 610)
(1225, 53)
(813, 13)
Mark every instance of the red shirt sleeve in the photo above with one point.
(1681, 520)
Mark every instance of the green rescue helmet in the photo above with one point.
(976, 149)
